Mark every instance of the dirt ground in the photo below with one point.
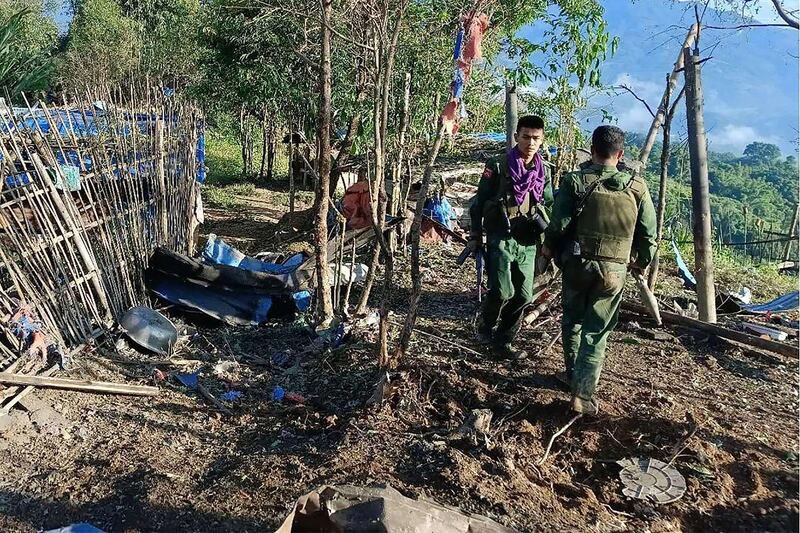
(173, 463)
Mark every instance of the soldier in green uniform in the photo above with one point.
(509, 206)
(603, 223)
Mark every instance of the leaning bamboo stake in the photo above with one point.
(650, 140)
(78, 385)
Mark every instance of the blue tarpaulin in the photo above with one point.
(219, 252)
(439, 210)
(683, 271)
(86, 123)
(787, 302)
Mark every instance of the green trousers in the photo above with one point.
(510, 270)
(591, 294)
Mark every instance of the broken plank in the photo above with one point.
(787, 350)
(79, 385)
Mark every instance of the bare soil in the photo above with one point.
(173, 463)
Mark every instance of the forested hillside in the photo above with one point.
(753, 193)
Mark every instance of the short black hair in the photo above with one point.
(607, 140)
(530, 121)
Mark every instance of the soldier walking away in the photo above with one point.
(513, 193)
(603, 222)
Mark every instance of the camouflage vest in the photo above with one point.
(497, 212)
(605, 227)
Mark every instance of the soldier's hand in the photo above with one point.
(635, 269)
(474, 244)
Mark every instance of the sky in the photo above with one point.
(750, 84)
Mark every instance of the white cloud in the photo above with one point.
(733, 138)
(645, 89)
(633, 117)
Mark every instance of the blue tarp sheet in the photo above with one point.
(787, 302)
(84, 123)
(683, 271)
(439, 210)
(219, 252)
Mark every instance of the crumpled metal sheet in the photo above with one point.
(650, 479)
(332, 509)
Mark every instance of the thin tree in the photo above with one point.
(321, 197)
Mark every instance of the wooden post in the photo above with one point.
(291, 168)
(511, 114)
(787, 249)
(162, 182)
(701, 210)
(662, 108)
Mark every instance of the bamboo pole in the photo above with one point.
(78, 385)
(650, 140)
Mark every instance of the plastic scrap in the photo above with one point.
(278, 394)
(683, 271)
(219, 252)
(784, 303)
(189, 380)
(82, 527)
(232, 395)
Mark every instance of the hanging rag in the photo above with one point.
(475, 28)
(525, 180)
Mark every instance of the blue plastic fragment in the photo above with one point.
(82, 527)
(232, 395)
(188, 380)
(338, 336)
(278, 394)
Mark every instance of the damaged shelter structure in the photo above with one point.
(99, 210)
(88, 190)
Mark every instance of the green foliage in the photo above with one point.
(168, 33)
(27, 39)
(223, 158)
(103, 45)
(750, 195)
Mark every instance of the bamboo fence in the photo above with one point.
(88, 190)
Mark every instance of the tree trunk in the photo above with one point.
(416, 280)
(511, 114)
(662, 184)
(701, 211)
(650, 140)
(321, 198)
(787, 250)
(271, 149)
(264, 142)
(291, 167)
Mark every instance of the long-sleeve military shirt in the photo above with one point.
(565, 203)
(490, 188)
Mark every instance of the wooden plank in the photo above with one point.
(79, 385)
(787, 350)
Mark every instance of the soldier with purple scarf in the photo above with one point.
(513, 192)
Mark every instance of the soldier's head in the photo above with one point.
(608, 145)
(529, 135)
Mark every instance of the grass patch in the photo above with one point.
(223, 158)
(734, 270)
(222, 197)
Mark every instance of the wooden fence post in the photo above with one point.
(787, 249)
(701, 210)
(511, 114)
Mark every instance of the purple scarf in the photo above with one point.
(525, 180)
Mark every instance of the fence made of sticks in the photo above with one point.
(89, 189)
